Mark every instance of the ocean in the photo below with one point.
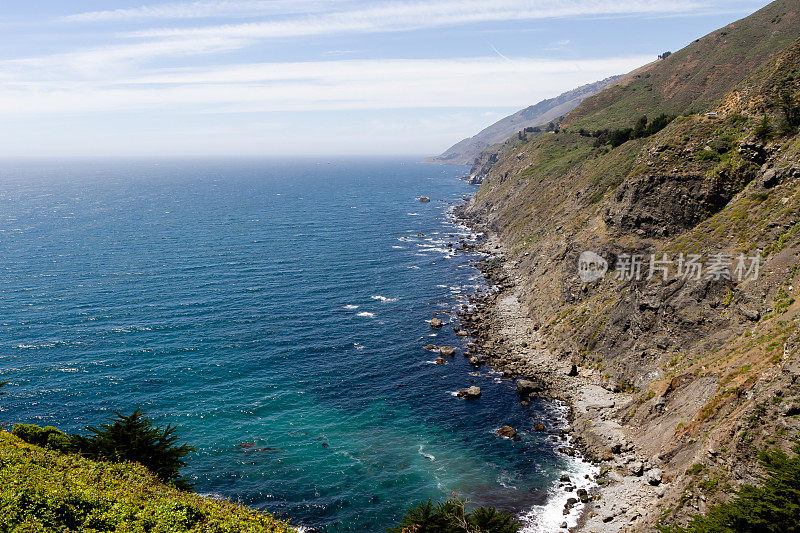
(275, 312)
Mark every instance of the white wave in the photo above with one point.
(351, 306)
(413, 267)
(426, 455)
(548, 517)
(397, 247)
(413, 214)
(358, 346)
(366, 314)
(383, 298)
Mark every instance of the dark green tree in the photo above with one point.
(763, 130)
(135, 438)
(451, 516)
(790, 107)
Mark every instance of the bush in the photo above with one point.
(45, 491)
(46, 437)
(763, 130)
(135, 438)
(451, 516)
(772, 507)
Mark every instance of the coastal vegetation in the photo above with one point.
(44, 490)
(772, 506)
(453, 516)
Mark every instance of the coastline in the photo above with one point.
(625, 486)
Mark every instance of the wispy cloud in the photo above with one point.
(204, 9)
(321, 85)
(403, 16)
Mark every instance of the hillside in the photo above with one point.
(464, 152)
(43, 490)
(682, 378)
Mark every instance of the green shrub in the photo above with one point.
(770, 508)
(135, 438)
(451, 516)
(47, 437)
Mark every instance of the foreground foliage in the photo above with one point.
(44, 490)
(126, 438)
(772, 507)
(451, 516)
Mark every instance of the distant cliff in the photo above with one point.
(464, 152)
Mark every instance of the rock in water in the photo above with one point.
(431, 348)
(507, 432)
(447, 351)
(423, 199)
(470, 393)
(474, 361)
(440, 360)
(526, 387)
(436, 323)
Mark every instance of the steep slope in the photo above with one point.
(43, 490)
(701, 370)
(465, 151)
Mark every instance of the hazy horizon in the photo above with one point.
(316, 78)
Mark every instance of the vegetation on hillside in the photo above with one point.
(45, 490)
(774, 506)
(131, 438)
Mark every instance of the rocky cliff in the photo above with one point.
(681, 315)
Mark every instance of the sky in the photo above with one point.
(309, 77)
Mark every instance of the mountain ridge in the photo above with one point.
(465, 151)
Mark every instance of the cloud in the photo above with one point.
(202, 9)
(403, 16)
(314, 85)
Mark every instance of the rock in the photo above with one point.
(462, 333)
(507, 432)
(573, 371)
(564, 478)
(440, 360)
(770, 178)
(582, 495)
(526, 387)
(563, 525)
(423, 199)
(654, 476)
(538, 426)
(436, 323)
(431, 348)
(447, 351)
(420, 234)
(636, 468)
(470, 393)
(474, 361)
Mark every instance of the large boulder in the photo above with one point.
(436, 323)
(526, 387)
(470, 393)
(447, 351)
(507, 432)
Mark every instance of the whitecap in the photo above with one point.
(383, 298)
(351, 306)
(413, 267)
(366, 314)
(426, 455)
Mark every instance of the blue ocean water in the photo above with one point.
(275, 311)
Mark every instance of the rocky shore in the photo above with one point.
(629, 485)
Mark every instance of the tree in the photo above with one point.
(763, 130)
(451, 516)
(136, 438)
(790, 107)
